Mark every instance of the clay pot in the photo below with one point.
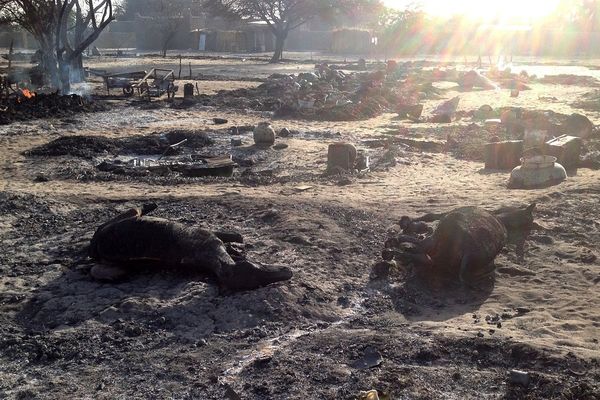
(264, 134)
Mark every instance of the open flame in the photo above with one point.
(28, 94)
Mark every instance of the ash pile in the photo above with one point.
(24, 104)
(157, 154)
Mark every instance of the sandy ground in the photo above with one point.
(161, 335)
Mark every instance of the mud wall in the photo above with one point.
(351, 41)
(116, 40)
(300, 40)
(150, 32)
(20, 40)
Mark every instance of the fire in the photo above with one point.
(28, 94)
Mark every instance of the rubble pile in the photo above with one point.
(326, 94)
(25, 105)
(507, 124)
(589, 101)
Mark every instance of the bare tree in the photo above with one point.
(281, 16)
(91, 18)
(168, 16)
(63, 28)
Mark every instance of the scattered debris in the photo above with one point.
(371, 358)
(206, 166)
(329, 94)
(578, 125)
(444, 113)
(285, 132)
(373, 395)
(519, 377)
(566, 149)
(485, 112)
(231, 394)
(172, 146)
(473, 79)
(341, 156)
(503, 155)
(411, 112)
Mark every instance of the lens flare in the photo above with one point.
(505, 11)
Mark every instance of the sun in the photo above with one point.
(504, 11)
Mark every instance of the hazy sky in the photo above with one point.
(486, 9)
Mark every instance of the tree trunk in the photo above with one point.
(279, 44)
(64, 70)
(49, 61)
(77, 75)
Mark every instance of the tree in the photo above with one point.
(91, 18)
(63, 28)
(129, 9)
(166, 17)
(398, 29)
(281, 16)
(579, 15)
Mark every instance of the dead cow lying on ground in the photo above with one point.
(133, 239)
(464, 244)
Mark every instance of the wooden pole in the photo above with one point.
(10, 56)
(179, 76)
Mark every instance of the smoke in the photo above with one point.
(83, 89)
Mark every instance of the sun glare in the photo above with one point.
(502, 11)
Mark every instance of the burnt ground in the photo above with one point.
(164, 335)
(332, 331)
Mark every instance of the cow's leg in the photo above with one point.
(131, 213)
(463, 269)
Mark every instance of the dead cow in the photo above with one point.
(465, 242)
(134, 239)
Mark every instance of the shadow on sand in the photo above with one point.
(418, 300)
(188, 304)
